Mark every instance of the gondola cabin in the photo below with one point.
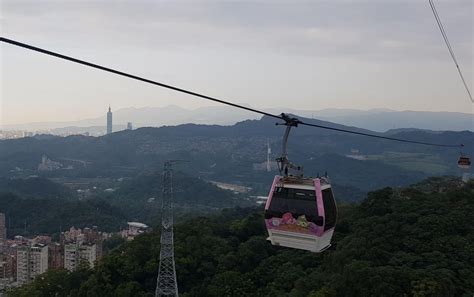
(464, 162)
(301, 213)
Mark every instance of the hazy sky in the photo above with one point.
(298, 54)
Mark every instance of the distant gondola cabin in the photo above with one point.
(464, 162)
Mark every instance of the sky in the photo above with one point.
(280, 54)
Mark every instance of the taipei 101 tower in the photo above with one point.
(109, 121)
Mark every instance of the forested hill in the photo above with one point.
(234, 154)
(133, 148)
(40, 206)
(35, 216)
(36, 188)
(415, 241)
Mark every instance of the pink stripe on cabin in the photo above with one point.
(270, 195)
(319, 201)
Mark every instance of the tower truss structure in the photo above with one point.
(167, 284)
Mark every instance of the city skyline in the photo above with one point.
(379, 120)
(384, 54)
(23, 258)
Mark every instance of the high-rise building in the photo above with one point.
(3, 229)
(88, 254)
(71, 256)
(109, 121)
(75, 254)
(56, 255)
(7, 267)
(31, 261)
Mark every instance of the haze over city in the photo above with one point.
(327, 54)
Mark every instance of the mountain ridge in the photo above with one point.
(233, 154)
(379, 120)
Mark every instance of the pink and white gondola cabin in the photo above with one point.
(301, 213)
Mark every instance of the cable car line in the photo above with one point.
(283, 116)
(448, 44)
(121, 73)
(383, 137)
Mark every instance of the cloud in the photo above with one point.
(376, 52)
(333, 36)
(344, 28)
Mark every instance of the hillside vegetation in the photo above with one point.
(229, 153)
(35, 187)
(415, 241)
(34, 216)
(140, 197)
(40, 206)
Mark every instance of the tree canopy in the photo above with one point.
(413, 241)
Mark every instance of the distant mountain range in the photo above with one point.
(379, 120)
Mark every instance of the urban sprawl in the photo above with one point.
(22, 259)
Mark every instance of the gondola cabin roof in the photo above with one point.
(301, 182)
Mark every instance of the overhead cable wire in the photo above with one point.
(381, 137)
(450, 49)
(121, 73)
(135, 77)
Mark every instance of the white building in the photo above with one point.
(31, 261)
(70, 256)
(48, 165)
(75, 254)
(88, 254)
(134, 229)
